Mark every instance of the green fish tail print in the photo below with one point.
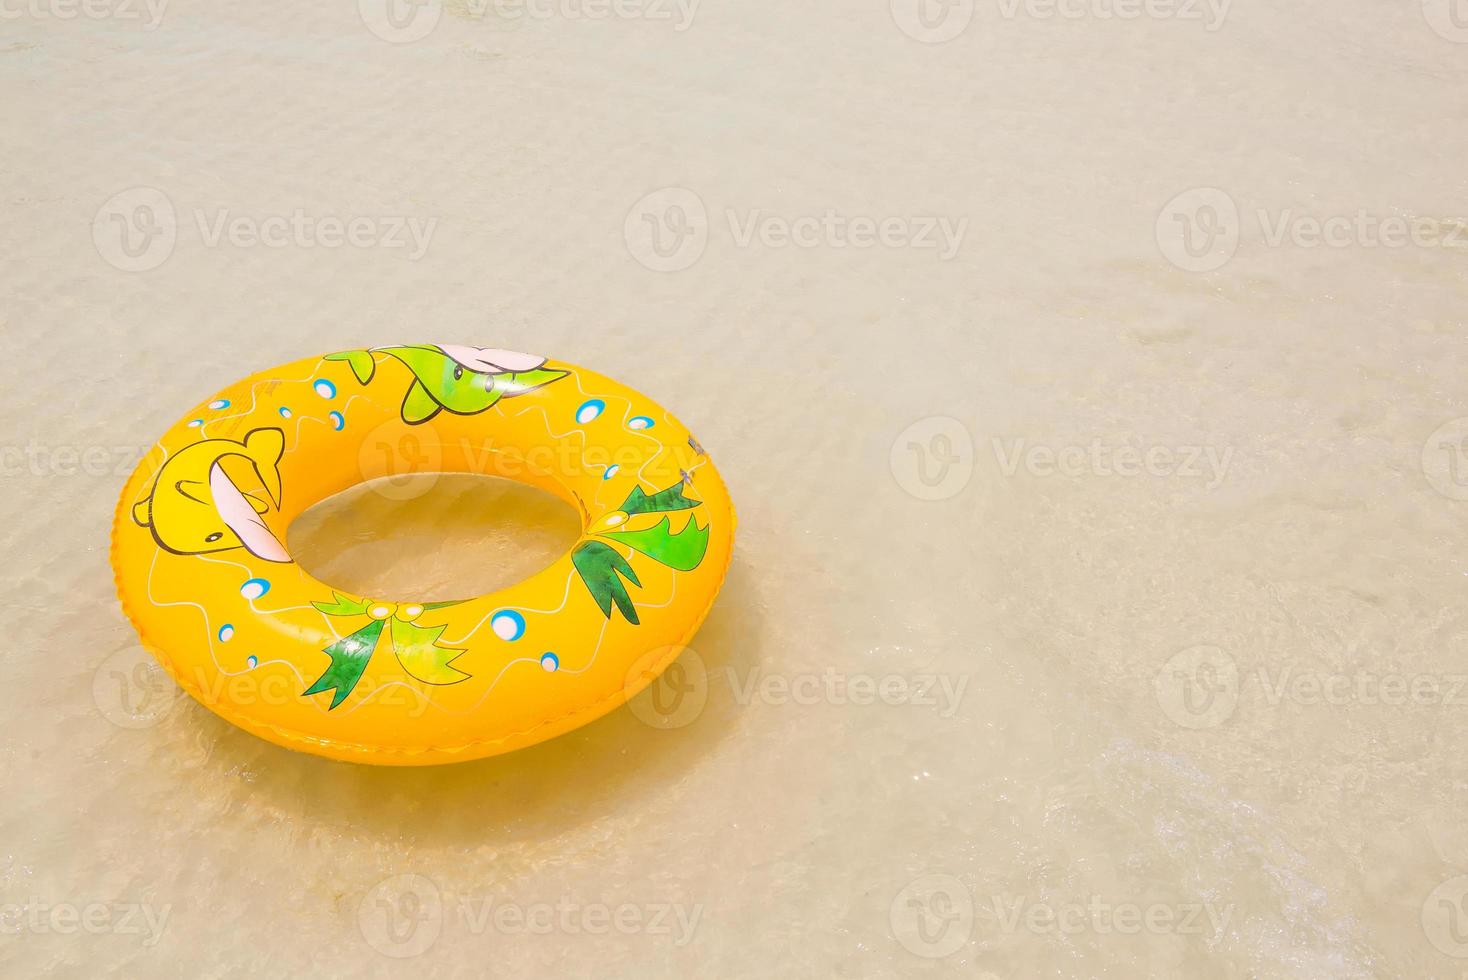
(419, 653)
(682, 551)
(455, 378)
(360, 361)
(349, 657)
(599, 565)
(663, 501)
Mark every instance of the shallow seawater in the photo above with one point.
(436, 536)
(1097, 435)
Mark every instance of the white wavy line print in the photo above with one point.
(254, 397)
(565, 596)
(300, 576)
(661, 448)
(314, 418)
(595, 652)
(301, 678)
(209, 632)
(579, 430)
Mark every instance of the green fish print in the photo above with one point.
(455, 378)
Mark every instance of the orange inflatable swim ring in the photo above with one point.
(203, 572)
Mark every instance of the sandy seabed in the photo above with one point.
(1092, 384)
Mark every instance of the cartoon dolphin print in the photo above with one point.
(460, 379)
(194, 507)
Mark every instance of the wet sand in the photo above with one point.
(1091, 388)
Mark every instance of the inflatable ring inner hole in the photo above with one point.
(434, 536)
